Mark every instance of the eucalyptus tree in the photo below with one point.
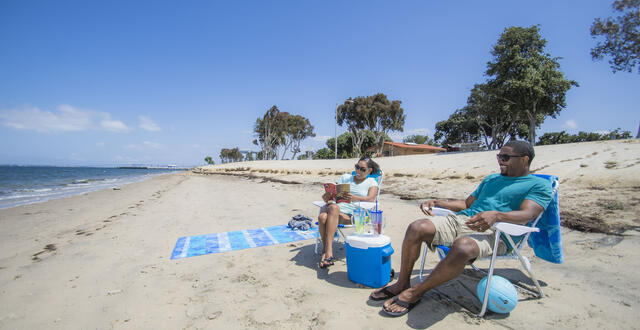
(385, 116)
(495, 118)
(345, 143)
(268, 132)
(209, 160)
(296, 128)
(375, 113)
(458, 128)
(621, 36)
(525, 79)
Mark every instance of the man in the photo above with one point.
(513, 196)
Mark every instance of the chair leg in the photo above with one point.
(424, 259)
(527, 266)
(317, 242)
(488, 286)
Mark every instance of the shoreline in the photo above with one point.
(82, 186)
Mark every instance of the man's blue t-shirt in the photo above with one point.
(504, 194)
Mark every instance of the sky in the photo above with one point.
(171, 82)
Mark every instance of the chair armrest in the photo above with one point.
(513, 229)
(367, 205)
(319, 203)
(364, 205)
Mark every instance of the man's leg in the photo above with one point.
(463, 251)
(418, 232)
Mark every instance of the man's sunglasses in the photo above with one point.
(363, 169)
(505, 157)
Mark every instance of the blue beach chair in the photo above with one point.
(542, 234)
(367, 205)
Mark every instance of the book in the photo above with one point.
(338, 192)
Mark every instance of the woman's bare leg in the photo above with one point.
(330, 227)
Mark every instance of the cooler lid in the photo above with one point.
(368, 241)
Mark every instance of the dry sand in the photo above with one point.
(102, 259)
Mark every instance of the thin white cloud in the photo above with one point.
(66, 119)
(148, 125)
(571, 123)
(99, 144)
(113, 126)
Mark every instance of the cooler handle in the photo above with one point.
(387, 251)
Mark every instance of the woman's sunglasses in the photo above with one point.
(363, 169)
(505, 157)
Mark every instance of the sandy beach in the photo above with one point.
(102, 260)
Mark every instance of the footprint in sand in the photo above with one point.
(47, 248)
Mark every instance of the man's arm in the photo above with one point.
(454, 205)
(484, 220)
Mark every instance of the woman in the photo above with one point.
(362, 189)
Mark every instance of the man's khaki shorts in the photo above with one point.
(451, 227)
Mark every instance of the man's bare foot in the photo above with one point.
(386, 292)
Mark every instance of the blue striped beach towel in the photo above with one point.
(191, 246)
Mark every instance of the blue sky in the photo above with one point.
(170, 82)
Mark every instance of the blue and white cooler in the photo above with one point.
(369, 259)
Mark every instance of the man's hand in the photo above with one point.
(427, 207)
(482, 221)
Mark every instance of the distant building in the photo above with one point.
(465, 147)
(401, 149)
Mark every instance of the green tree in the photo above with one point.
(458, 128)
(621, 36)
(553, 138)
(375, 113)
(323, 153)
(495, 117)
(230, 155)
(209, 160)
(296, 129)
(269, 131)
(419, 139)
(345, 143)
(526, 79)
(384, 116)
(563, 137)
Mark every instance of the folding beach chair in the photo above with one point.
(507, 231)
(366, 205)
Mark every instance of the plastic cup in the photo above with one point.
(377, 222)
(359, 218)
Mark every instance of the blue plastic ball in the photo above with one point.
(503, 296)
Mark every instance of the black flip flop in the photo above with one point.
(326, 263)
(407, 307)
(385, 291)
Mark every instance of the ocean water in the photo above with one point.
(20, 185)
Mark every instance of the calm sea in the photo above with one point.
(20, 185)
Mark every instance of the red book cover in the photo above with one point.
(338, 192)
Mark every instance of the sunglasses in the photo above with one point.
(363, 169)
(506, 157)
